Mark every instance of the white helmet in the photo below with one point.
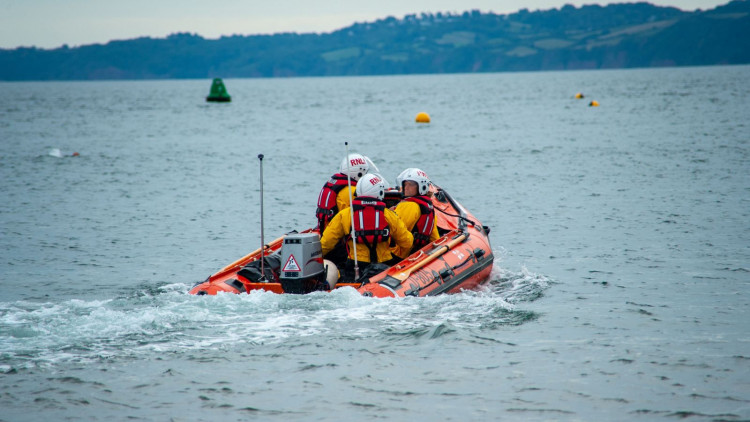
(415, 175)
(355, 165)
(371, 186)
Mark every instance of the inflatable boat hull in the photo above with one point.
(460, 260)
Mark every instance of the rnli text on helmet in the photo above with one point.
(357, 161)
(374, 181)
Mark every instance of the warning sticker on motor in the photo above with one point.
(291, 264)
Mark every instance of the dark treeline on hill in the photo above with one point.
(590, 37)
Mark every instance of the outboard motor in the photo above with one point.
(302, 268)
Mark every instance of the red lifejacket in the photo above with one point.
(423, 227)
(370, 225)
(327, 207)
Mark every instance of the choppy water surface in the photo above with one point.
(621, 235)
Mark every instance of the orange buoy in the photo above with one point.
(594, 104)
(423, 118)
(579, 96)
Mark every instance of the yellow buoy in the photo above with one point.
(423, 117)
(579, 96)
(594, 104)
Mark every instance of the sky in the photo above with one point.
(52, 23)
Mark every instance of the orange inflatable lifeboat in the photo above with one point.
(461, 259)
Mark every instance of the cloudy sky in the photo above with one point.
(52, 23)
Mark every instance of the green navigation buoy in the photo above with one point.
(219, 92)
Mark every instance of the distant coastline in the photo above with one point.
(590, 37)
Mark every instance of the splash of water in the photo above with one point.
(168, 320)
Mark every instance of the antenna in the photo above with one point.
(351, 213)
(262, 240)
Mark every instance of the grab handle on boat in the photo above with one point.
(462, 219)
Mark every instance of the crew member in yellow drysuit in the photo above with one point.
(374, 226)
(416, 210)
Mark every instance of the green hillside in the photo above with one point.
(589, 37)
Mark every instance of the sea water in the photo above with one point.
(621, 236)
